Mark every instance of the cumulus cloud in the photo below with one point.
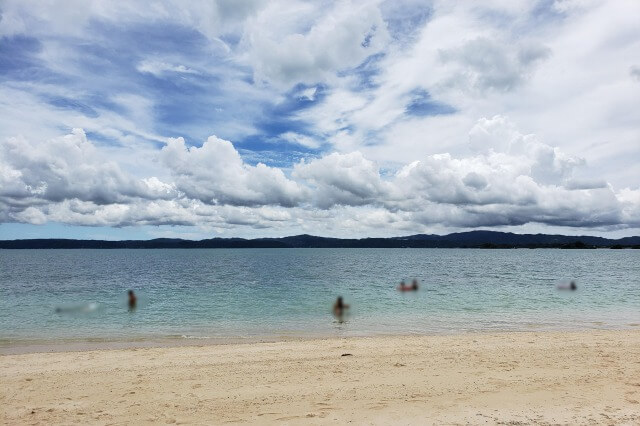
(546, 164)
(514, 180)
(345, 179)
(630, 201)
(475, 181)
(30, 215)
(216, 174)
(68, 167)
(510, 179)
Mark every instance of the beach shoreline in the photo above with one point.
(22, 346)
(528, 377)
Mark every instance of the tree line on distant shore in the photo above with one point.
(472, 239)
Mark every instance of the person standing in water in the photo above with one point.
(133, 300)
(339, 308)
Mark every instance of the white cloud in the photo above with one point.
(29, 215)
(216, 174)
(564, 77)
(483, 64)
(68, 167)
(211, 17)
(346, 179)
(289, 45)
(158, 68)
(546, 164)
(310, 93)
(299, 139)
(516, 182)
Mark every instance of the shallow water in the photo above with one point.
(275, 293)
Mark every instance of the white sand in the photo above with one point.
(516, 378)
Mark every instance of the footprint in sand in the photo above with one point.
(377, 406)
(287, 418)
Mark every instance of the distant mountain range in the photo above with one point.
(472, 239)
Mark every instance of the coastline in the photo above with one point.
(28, 346)
(529, 377)
(108, 344)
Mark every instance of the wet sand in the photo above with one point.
(515, 378)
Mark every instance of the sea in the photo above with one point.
(222, 295)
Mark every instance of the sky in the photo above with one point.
(234, 118)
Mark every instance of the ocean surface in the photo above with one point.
(222, 294)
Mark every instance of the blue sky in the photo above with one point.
(368, 118)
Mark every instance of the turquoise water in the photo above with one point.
(255, 293)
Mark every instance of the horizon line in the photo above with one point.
(324, 237)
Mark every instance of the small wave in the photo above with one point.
(184, 336)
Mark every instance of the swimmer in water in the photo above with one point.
(414, 285)
(77, 309)
(571, 286)
(339, 308)
(404, 287)
(133, 300)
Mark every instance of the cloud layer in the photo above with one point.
(372, 117)
(512, 179)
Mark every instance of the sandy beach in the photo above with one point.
(511, 378)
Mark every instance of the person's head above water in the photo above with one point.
(132, 299)
(414, 284)
(573, 285)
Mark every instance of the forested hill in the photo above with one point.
(472, 239)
